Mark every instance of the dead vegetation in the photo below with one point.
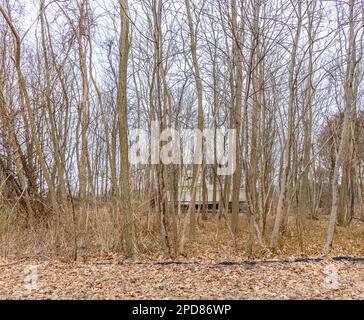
(97, 235)
(138, 131)
(107, 279)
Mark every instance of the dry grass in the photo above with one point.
(101, 272)
(99, 234)
(214, 241)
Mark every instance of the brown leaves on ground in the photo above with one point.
(213, 268)
(107, 279)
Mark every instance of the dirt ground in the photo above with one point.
(109, 279)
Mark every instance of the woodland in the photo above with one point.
(78, 77)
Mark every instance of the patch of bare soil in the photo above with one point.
(52, 279)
